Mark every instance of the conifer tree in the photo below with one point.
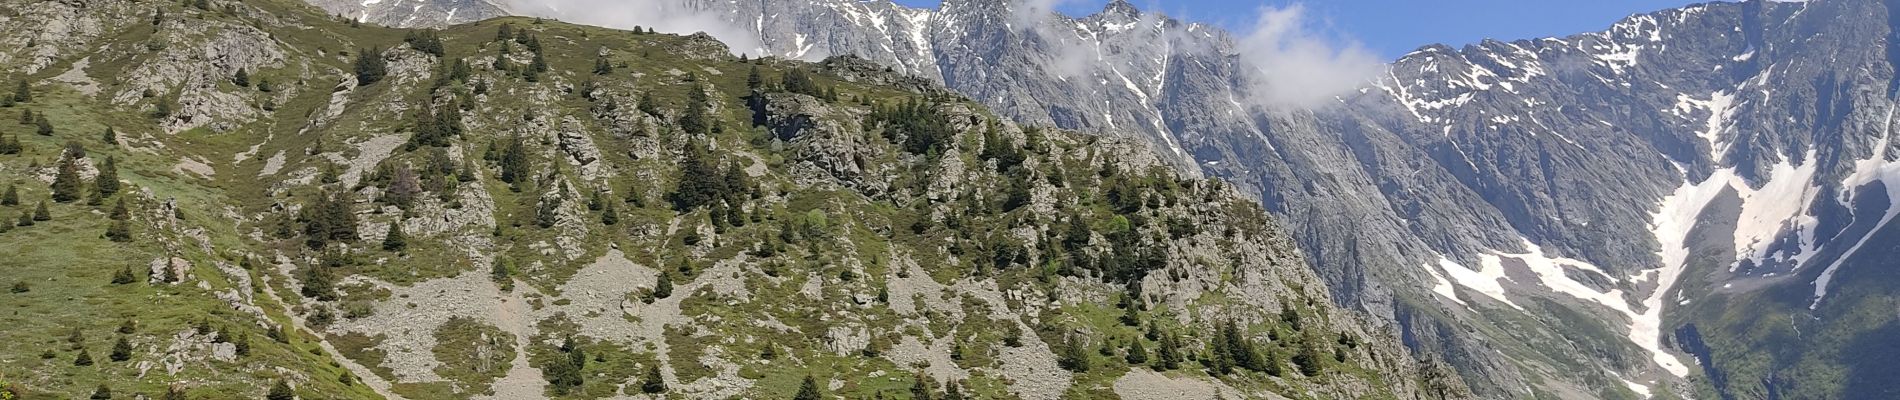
(663, 288)
(107, 182)
(66, 183)
(653, 383)
(280, 391)
(1168, 352)
(121, 350)
(11, 197)
(318, 284)
(119, 231)
(808, 390)
(1074, 355)
(10, 144)
(394, 240)
(22, 93)
(755, 81)
(953, 391)
(26, 219)
(83, 359)
(40, 213)
(124, 276)
(102, 393)
(370, 66)
(1309, 359)
(1136, 353)
(922, 387)
(609, 214)
(43, 126)
(694, 120)
(242, 78)
(603, 66)
(119, 212)
(110, 137)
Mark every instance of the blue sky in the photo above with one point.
(1394, 27)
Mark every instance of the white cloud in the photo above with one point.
(1297, 67)
(663, 15)
(1024, 13)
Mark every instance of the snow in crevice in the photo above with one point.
(1777, 208)
(1671, 225)
(1440, 285)
(1766, 213)
(1721, 109)
(1873, 169)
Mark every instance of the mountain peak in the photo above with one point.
(1120, 7)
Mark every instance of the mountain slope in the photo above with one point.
(529, 209)
(1544, 197)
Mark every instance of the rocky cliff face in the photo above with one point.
(531, 209)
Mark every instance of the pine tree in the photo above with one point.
(515, 164)
(242, 78)
(10, 144)
(953, 391)
(119, 212)
(653, 383)
(1074, 355)
(370, 66)
(110, 137)
(119, 231)
(1168, 352)
(42, 126)
(124, 276)
(22, 93)
(102, 393)
(700, 182)
(40, 213)
(121, 350)
(83, 359)
(66, 184)
(11, 197)
(107, 182)
(603, 66)
(499, 273)
(922, 387)
(609, 214)
(694, 120)
(548, 212)
(280, 391)
(318, 284)
(1136, 353)
(755, 81)
(1131, 313)
(26, 219)
(128, 327)
(565, 374)
(808, 390)
(330, 219)
(664, 287)
(394, 240)
(1309, 359)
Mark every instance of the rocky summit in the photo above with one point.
(224, 199)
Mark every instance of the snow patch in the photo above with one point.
(1483, 281)
(1441, 286)
(1873, 169)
